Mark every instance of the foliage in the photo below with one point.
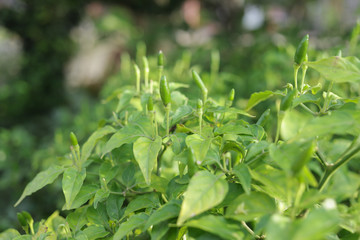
(203, 170)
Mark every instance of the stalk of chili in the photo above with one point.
(200, 113)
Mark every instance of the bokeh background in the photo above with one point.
(60, 59)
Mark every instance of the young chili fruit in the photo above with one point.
(22, 219)
(231, 95)
(264, 118)
(73, 139)
(146, 71)
(160, 59)
(300, 54)
(200, 84)
(150, 104)
(287, 100)
(165, 91)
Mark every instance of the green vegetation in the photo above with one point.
(166, 164)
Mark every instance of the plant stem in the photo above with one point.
(249, 230)
(308, 109)
(200, 122)
(321, 159)
(280, 117)
(296, 70)
(304, 69)
(330, 169)
(167, 110)
(160, 72)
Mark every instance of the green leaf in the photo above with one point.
(180, 113)
(107, 172)
(77, 219)
(279, 227)
(158, 231)
(242, 172)
(338, 69)
(178, 142)
(165, 212)
(132, 223)
(23, 237)
(138, 127)
(258, 97)
(97, 216)
(318, 224)
(80, 235)
(146, 152)
(222, 109)
(100, 196)
(247, 207)
(113, 206)
(272, 182)
(71, 184)
(175, 188)
(292, 156)
(41, 180)
(239, 127)
(217, 225)
(9, 234)
(86, 192)
(149, 200)
(159, 183)
(256, 150)
(304, 98)
(95, 232)
(124, 100)
(339, 122)
(199, 146)
(205, 191)
(93, 139)
(128, 175)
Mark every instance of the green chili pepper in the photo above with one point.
(287, 100)
(160, 59)
(27, 216)
(200, 84)
(165, 91)
(192, 168)
(231, 95)
(146, 71)
(264, 118)
(150, 104)
(22, 219)
(137, 76)
(73, 139)
(300, 54)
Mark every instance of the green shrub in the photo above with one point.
(174, 167)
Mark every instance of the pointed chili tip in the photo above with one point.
(73, 139)
(160, 59)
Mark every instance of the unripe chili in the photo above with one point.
(165, 91)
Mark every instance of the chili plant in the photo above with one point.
(165, 166)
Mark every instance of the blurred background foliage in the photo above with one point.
(60, 59)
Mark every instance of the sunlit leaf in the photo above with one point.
(205, 191)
